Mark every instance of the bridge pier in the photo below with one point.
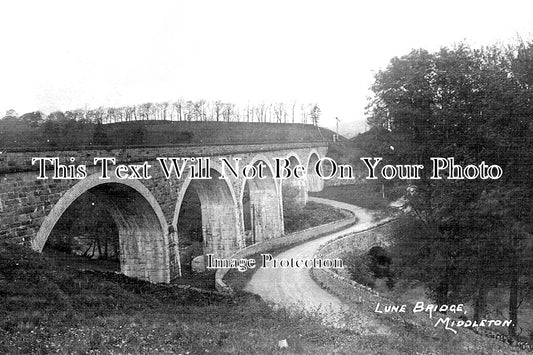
(314, 182)
(262, 213)
(294, 190)
(221, 231)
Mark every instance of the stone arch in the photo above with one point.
(220, 227)
(375, 241)
(292, 183)
(264, 206)
(142, 227)
(294, 158)
(267, 161)
(314, 182)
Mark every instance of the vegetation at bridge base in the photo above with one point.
(366, 268)
(465, 239)
(87, 229)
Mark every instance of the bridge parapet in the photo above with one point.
(362, 241)
(20, 160)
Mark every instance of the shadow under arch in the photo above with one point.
(380, 263)
(220, 228)
(142, 227)
(260, 199)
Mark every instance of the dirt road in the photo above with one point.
(294, 287)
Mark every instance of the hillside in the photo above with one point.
(72, 134)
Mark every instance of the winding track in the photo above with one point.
(294, 288)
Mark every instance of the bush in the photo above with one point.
(358, 266)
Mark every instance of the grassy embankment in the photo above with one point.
(312, 215)
(362, 195)
(68, 134)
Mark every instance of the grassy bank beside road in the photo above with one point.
(312, 215)
(362, 195)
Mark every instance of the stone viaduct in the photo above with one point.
(146, 211)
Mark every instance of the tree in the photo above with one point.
(473, 105)
(198, 110)
(146, 110)
(280, 113)
(57, 116)
(163, 107)
(315, 114)
(178, 105)
(75, 115)
(10, 114)
(33, 119)
(228, 112)
(293, 109)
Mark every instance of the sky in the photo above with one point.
(61, 55)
